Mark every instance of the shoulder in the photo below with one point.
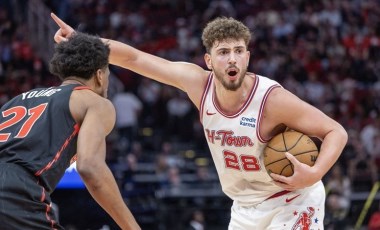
(280, 99)
(196, 87)
(194, 74)
(265, 80)
(88, 98)
(84, 101)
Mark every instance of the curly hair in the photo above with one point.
(81, 56)
(222, 29)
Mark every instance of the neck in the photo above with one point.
(231, 101)
(72, 80)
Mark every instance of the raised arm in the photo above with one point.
(188, 77)
(177, 74)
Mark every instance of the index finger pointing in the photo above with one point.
(58, 20)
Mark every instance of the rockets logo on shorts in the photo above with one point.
(304, 220)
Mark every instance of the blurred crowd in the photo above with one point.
(325, 51)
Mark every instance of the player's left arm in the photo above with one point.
(98, 122)
(283, 107)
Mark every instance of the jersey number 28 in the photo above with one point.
(248, 163)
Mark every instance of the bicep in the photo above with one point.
(177, 74)
(288, 109)
(98, 122)
(188, 77)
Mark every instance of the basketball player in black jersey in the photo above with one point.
(44, 130)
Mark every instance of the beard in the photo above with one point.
(230, 85)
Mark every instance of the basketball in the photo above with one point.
(298, 144)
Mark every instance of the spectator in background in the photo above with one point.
(197, 221)
(376, 153)
(369, 133)
(174, 180)
(167, 163)
(124, 170)
(128, 108)
(149, 93)
(204, 177)
(179, 110)
(362, 169)
(338, 189)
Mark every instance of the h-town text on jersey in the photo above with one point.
(227, 137)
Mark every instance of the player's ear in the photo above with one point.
(248, 57)
(99, 78)
(207, 58)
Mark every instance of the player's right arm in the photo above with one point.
(177, 74)
(188, 77)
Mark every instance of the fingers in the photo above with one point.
(285, 186)
(58, 20)
(301, 178)
(58, 37)
(292, 159)
(279, 178)
(65, 30)
(284, 179)
(283, 182)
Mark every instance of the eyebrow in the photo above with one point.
(235, 47)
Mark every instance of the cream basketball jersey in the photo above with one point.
(236, 145)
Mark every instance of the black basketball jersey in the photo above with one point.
(38, 132)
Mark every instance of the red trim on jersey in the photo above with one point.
(278, 194)
(261, 113)
(47, 210)
(81, 87)
(245, 105)
(206, 89)
(58, 154)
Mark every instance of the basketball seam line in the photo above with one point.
(285, 145)
(296, 154)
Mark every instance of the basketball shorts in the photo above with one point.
(24, 204)
(298, 210)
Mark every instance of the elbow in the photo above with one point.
(86, 169)
(91, 173)
(343, 135)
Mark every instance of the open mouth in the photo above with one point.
(232, 72)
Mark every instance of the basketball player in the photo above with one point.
(240, 113)
(45, 129)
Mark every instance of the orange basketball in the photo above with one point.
(296, 143)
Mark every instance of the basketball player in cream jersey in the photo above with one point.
(240, 112)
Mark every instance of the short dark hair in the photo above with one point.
(222, 29)
(81, 56)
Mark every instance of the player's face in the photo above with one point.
(229, 60)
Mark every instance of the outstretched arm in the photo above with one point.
(188, 77)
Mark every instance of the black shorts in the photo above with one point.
(24, 204)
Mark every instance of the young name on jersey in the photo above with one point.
(41, 93)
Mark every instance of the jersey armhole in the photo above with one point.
(262, 106)
(206, 89)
